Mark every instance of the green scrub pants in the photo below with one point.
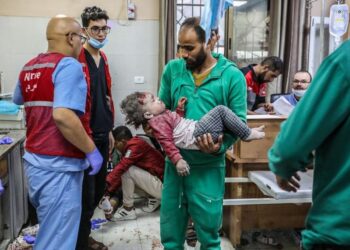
(199, 195)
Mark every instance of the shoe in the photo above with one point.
(123, 214)
(96, 245)
(191, 235)
(267, 240)
(152, 205)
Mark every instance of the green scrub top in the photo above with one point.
(321, 123)
(225, 85)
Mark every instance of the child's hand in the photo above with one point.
(181, 103)
(183, 169)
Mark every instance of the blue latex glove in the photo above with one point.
(29, 239)
(95, 159)
(6, 140)
(1, 187)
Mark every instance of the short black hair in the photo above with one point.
(93, 13)
(304, 71)
(121, 132)
(274, 63)
(194, 22)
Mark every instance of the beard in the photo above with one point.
(192, 64)
(261, 78)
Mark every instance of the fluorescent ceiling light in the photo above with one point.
(239, 3)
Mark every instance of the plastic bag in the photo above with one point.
(8, 108)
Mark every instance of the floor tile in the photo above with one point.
(144, 234)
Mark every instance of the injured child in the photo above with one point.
(172, 130)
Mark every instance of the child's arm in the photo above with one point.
(163, 131)
(180, 109)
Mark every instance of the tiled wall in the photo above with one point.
(132, 51)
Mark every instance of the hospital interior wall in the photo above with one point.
(316, 10)
(132, 50)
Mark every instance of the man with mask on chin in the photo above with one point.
(206, 80)
(301, 82)
(257, 76)
(99, 113)
(284, 105)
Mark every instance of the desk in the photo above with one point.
(13, 202)
(249, 156)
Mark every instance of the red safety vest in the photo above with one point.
(258, 88)
(43, 136)
(82, 60)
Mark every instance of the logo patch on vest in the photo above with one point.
(128, 153)
(29, 88)
(32, 76)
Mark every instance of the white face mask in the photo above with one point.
(298, 92)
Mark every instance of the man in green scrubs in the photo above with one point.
(321, 123)
(206, 81)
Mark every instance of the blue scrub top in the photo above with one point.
(291, 99)
(70, 90)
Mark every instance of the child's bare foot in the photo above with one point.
(256, 133)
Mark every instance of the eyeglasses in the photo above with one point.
(296, 81)
(82, 38)
(95, 30)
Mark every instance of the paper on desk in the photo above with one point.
(260, 111)
(282, 106)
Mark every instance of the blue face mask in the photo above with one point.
(97, 44)
(299, 92)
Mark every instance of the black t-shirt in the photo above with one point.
(101, 115)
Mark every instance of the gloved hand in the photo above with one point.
(1, 188)
(6, 140)
(95, 159)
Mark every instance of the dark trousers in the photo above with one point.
(93, 190)
(33, 218)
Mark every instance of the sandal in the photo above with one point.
(191, 235)
(264, 239)
(96, 245)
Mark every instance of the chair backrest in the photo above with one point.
(274, 97)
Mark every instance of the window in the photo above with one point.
(194, 8)
(250, 32)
